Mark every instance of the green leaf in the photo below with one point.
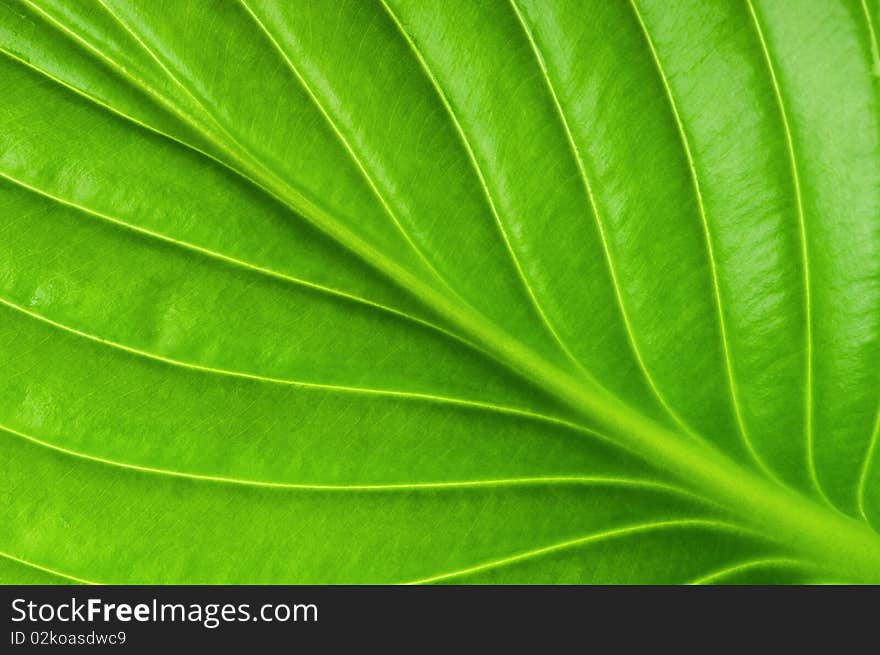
(476, 292)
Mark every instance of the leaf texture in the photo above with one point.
(390, 291)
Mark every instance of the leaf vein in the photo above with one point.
(276, 46)
(450, 111)
(707, 237)
(541, 480)
(46, 569)
(606, 249)
(367, 391)
(744, 566)
(238, 263)
(799, 203)
(592, 538)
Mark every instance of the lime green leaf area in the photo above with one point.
(440, 291)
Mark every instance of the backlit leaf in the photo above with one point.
(381, 291)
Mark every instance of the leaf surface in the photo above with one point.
(392, 291)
